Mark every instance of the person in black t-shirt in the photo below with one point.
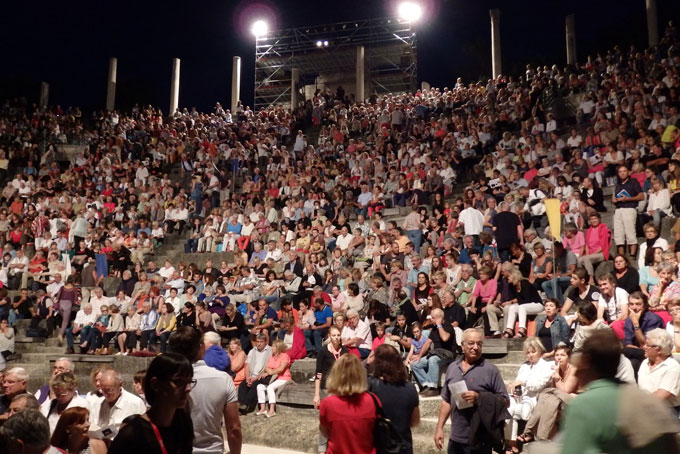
(166, 427)
(507, 229)
(579, 291)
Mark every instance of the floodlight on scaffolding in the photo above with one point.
(410, 11)
(259, 29)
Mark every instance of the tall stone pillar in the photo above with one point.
(652, 23)
(174, 86)
(495, 42)
(294, 79)
(360, 81)
(235, 83)
(44, 95)
(111, 84)
(570, 28)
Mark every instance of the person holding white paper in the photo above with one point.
(466, 378)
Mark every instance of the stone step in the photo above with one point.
(38, 348)
(303, 435)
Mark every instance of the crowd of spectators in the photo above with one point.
(312, 266)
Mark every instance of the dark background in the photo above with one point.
(68, 43)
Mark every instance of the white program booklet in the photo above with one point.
(457, 389)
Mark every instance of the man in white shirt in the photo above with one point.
(212, 400)
(472, 219)
(97, 300)
(17, 267)
(55, 286)
(574, 140)
(659, 373)
(117, 404)
(357, 334)
(344, 239)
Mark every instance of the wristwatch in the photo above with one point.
(636, 327)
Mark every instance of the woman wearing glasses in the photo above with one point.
(166, 428)
(64, 388)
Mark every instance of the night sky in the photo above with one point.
(68, 44)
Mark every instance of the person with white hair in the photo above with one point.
(215, 356)
(659, 373)
(14, 383)
(116, 405)
(60, 365)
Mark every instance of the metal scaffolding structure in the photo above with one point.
(390, 55)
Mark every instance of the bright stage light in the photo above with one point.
(259, 28)
(410, 11)
(319, 44)
(325, 43)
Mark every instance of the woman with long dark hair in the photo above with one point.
(398, 395)
(166, 428)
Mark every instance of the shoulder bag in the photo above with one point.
(386, 438)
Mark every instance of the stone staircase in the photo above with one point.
(295, 401)
(37, 356)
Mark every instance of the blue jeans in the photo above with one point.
(554, 288)
(427, 371)
(163, 338)
(415, 236)
(69, 335)
(314, 339)
(13, 317)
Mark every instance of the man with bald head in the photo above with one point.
(117, 404)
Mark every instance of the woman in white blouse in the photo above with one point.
(533, 376)
(659, 203)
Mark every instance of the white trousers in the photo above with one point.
(270, 391)
(521, 310)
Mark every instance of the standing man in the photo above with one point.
(480, 376)
(414, 228)
(212, 399)
(627, 195)
(472, 219)
(507, 228)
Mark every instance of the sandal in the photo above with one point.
(522, 332)
(525, 438)
(508, 333)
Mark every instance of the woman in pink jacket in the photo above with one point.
(598, 242)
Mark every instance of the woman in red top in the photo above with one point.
(347, 415)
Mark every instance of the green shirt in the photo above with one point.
(464, 296)
(590, 424)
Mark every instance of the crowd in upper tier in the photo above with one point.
(308, 249)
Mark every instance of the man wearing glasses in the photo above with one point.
(13, 384)
(117, 405)
(466, 379)
(60, 365)
(659, 373)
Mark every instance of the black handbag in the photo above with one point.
(386, 438)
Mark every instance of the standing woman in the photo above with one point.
(347, 416)
(166, 428)
(71, 434)
(325, 360)
(398, 395)
(67, 297)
